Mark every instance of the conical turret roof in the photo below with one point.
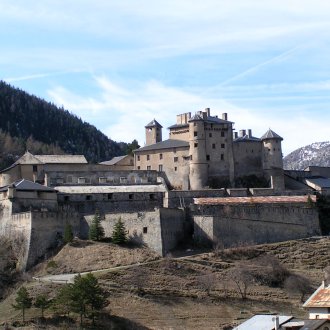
(271, 135)
(154, 123)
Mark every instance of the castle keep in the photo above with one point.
(204, 151)
(188, 187)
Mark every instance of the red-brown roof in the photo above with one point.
(321, 298)
(253, 200)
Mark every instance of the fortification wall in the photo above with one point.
(183, 198)
(255, 223)
(36, 232)
(114, 202)
(159, 229)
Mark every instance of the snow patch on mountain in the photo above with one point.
(316, 154)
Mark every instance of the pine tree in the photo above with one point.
(96, 231)
(42, 302)
(23, 301)
(68, 234)
(119, 234)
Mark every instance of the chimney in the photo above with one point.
(207, 110)
(250, 133)
(242, 132)
(235, 135)
(276, 322)
(225, 116)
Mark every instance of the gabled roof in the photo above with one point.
(166, 144)
(154, 123)
(270, 135)
(31, 159)
(320, 298)
(262, 322)
(26, 185)
(247, 138)
(114, 160)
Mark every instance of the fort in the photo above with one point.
(205, 184)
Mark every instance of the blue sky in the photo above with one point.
(119, 64)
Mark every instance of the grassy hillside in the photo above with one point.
(173, 292)
(30, 122)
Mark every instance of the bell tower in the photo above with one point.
(153, 132)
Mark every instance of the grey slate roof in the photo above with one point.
(247, 138)
(262, 322)
(166, 144)
(209, 120)
(154, 123)
(320, 182)
(114, 160)
(26, 185)
(271, 135)
(305, 324)
(62, 159)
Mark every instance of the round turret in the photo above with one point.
(198, 166)
(272, 150)
(272, 159)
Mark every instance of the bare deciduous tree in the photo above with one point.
(242, 277)
(207, 282)
(298, 284)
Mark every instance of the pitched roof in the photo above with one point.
(62, 159)
(262, 322)
(196, 117)
(153, 123)
(248, 138)
(270, 135)
(320, 298)
(114, 160)
(29, 158)
(252, 200)
(304, 324)
(166, 144)
(26, 185)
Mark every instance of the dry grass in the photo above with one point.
(168, 293)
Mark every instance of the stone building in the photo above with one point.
(202, 151)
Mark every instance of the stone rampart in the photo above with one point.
(232, 224)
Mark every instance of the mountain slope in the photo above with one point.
(25, 116)
(317, 154)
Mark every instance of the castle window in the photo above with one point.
(145, 230)
(148, 157)
(69, 179)
(66, 198)
(35, 168)
(88, 197)
(222, 156)
(195, 133)
(130, 196)
(110, 195)
(222, 134)
(210, 134)
(59, 180)
(195, 145)
(160, 168)
(222, 145)
(195, 124)
(138, 167)
(175, 168)
(160, 156)
(148, 168)
(138, 158)
(213, 145)
(152, 197)
(102, 180)
(207, 157)
(123, 179)
(176, 159)
(190, 157)
(81, 180)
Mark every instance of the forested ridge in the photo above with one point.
(31, 123)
